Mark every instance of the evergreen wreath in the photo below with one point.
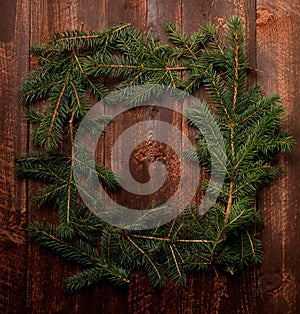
(75, 65)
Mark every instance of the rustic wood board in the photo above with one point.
(278, 62)
(14, 56)
(32, 278)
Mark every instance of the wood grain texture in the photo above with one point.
(13, 139)
(278, 59)
(46, 271)
(103, 297)
(151, 16)
(126, 11)
(31, 278)
(207, 293)
(93, 14)
(147, 16)
(196, 12)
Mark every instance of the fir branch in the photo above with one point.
(47, 236)
(93, 275)
(152, 263)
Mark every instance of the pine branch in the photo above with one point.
(92, 276)
(47, 236)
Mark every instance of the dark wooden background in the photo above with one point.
(31, 278)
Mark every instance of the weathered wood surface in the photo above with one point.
(32, 278)
(14, 56)
(278, 58)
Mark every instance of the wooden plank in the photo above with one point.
(205, 292)
(126, 11)
(278, 60)
(147, 16)
(47, 271)
(105, 297)
(92, 14)
(14, 25)
(196, 12)
(159, 12)
(8, 20)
